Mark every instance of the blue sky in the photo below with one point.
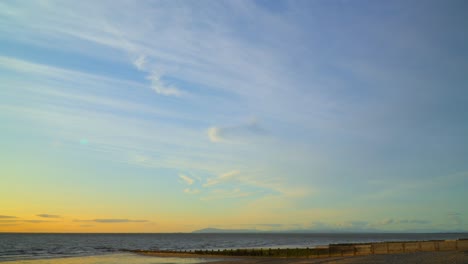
(178, 115)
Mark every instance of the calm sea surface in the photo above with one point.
(46, 246)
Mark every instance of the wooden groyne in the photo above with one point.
(333, 250)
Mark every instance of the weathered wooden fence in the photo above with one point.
(336, 249)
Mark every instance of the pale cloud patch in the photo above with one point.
(215, 134)
(186, 179)
(228, 176)
(160, 87)
(236, 133)
(386, 221)
(140, 62)
(191, 191)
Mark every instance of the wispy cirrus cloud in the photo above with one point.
(186, 179)
(228, 176)
(215, 134)
(199, 70)
(191, 191)
(143, 132)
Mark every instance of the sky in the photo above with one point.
(173, 116)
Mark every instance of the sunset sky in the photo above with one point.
(172, 116)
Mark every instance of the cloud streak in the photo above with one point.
(225, 177)
(34, 221)
(7, 216)
(237, 133)
(48, 216)
(31, 221)
(187, 180)
(112, 220)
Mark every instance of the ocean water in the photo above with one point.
(25, 247)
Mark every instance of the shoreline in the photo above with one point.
(332, 250)
(440, 257)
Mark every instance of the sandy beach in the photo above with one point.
(446, 257)
(452, 257)
(455, 257)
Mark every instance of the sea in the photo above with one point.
(110, 248)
